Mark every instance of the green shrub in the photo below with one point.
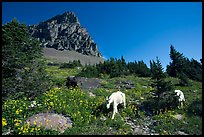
(71, 64)
(195, 108)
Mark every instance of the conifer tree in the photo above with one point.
(162, 93)
(22, 64)
(176, 66)
(183, 68)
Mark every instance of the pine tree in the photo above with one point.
(162, 92)
(176, 65)
(114, 68)
(22, 64)
(183, 68)
(142, 69)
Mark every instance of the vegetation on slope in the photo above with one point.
(88, 113)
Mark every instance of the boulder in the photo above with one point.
(51, 121)
(71, 82)
(178, 116)
(83, 83)
(180, 133)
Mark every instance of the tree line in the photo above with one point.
(180, 67)
(115, 68)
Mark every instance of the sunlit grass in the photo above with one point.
(80, 107)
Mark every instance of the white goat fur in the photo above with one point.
(116, 98)
(180, 94)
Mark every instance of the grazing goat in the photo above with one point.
(116, 98)
(180, 94)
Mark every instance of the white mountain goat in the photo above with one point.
(116, 98)
(180, 94)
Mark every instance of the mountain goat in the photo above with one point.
(116, 98)
(180, 94)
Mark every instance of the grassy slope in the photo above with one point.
(194, 124)
(87, 122)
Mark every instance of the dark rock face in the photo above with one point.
(63, 32)
(82, 82)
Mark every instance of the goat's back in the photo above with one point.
(117, 97)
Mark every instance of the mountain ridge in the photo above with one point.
(64, 32)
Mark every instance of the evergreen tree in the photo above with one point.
(152, 69)
(183, 68)
(176, 66)
(162, 93)
(195, 70)
(114, 68)
(138, 68)
(131, 67)
(124, 66)
(142, 69)
(22, 64)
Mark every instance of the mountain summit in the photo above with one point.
(64, 32)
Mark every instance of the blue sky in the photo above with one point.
(135, 30)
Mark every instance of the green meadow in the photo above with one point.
(89, 113)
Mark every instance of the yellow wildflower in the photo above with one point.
(4, 123)
(18, 111)
(32, 129)
(17, 124)
(51, 104)
(28, 123)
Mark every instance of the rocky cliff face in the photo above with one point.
(64, 32)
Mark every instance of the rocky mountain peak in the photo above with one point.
(67, 17)
(64, 32)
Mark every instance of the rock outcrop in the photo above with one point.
(51, 121)
(64, 32)
(82, 82)
(125, 84)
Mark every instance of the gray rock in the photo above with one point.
(82, 82)
(63, 32)
(9, 132)
(125, 84)
(91, 94)
(178, 116)
(180, 133)
(51, 121)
